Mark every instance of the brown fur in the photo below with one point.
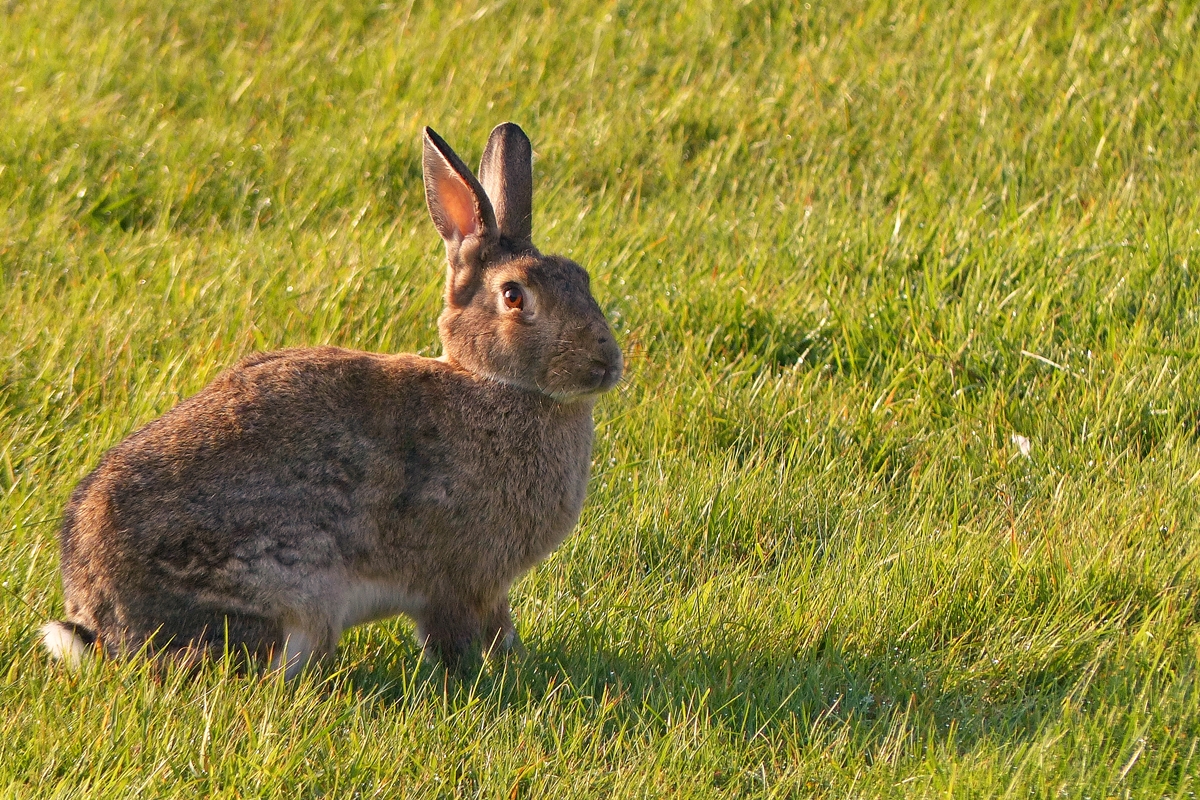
(307, 490)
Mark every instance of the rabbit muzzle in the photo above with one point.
(604, 377)
(605, 369)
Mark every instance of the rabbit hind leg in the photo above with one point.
(300, 649)
(246, 639)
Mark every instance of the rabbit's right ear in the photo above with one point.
(457, 203)
(506, 174)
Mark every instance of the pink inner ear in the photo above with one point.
(458, 203)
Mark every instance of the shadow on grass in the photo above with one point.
(871, 701)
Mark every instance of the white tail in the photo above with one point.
(64, 643)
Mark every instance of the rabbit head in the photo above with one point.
(512, 314)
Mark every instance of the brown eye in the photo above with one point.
(513, 297)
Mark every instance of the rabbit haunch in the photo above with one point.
(305, 491)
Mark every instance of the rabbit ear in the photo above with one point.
(457, 203)
(506, 173)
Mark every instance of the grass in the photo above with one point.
(899, 498)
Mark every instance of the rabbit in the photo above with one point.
(305, 491)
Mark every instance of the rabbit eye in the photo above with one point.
(513, 297)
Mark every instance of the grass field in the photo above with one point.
(899, 498)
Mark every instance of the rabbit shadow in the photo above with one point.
(872, 701)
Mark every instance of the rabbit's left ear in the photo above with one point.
(458, 204)
(506, 173)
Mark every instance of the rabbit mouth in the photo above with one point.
(602, 377)
(596, 379)
(587, 381)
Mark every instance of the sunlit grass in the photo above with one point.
(861, 258)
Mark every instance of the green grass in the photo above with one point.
(853, 251)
